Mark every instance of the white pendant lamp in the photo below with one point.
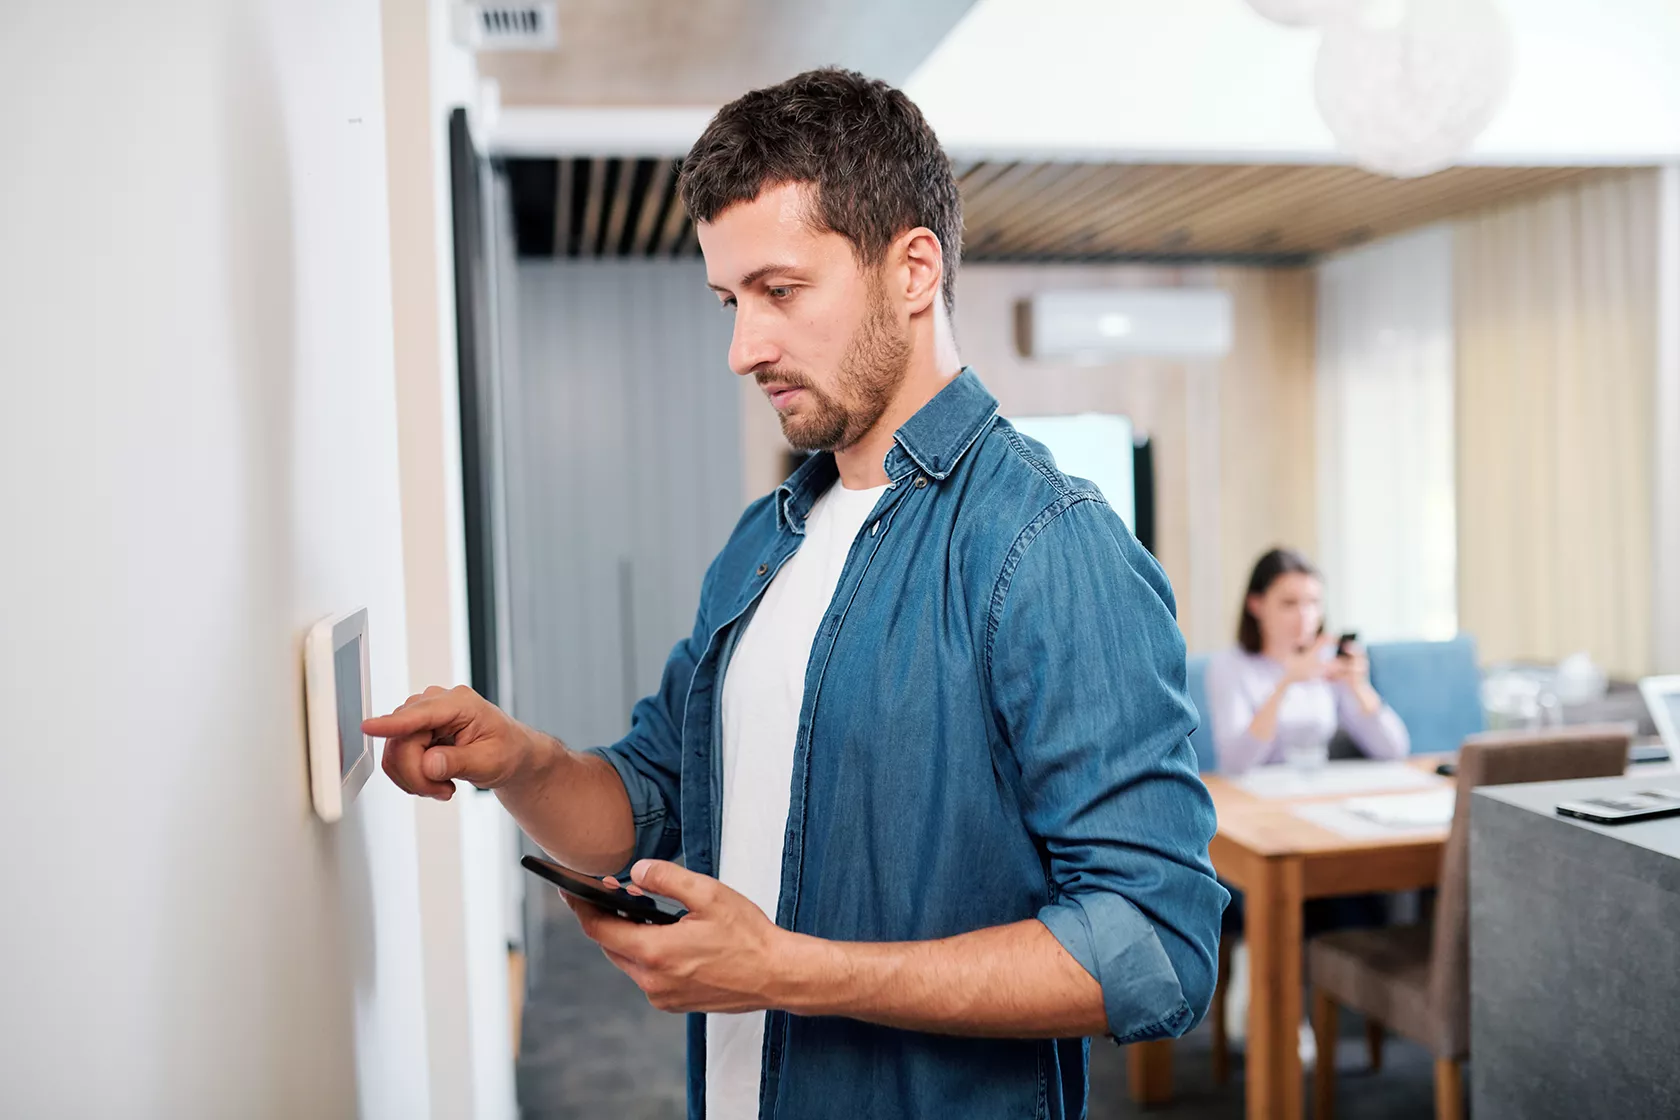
(1302, 13)
(1407, 97)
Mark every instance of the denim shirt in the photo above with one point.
(995, 728)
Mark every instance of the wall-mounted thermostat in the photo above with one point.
(338, 698)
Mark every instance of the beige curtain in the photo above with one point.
(1556, 326)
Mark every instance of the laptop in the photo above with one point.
(1662, 698)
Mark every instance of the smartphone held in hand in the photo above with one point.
(649, 909)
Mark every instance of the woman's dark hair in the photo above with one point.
(876, 167)
(1267, 570)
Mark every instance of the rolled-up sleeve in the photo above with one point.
(1088, 674)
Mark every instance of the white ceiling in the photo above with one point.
(1167, 81)
(1596, 81)
(707, 52)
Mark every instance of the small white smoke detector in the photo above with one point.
(507, 27)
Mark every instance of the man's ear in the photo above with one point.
(924, 267)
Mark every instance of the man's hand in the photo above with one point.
(722, 956)
(442, 734)
(1012, 981)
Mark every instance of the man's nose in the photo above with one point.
(749, 349)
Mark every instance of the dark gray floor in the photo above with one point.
(590, 1045)
(593, 1048)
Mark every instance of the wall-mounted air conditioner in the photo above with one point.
(1092, 327)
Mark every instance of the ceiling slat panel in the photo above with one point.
(685, 243)
(1081, 211)
(1266, 212)
(674, 219)
(996, 192)
(1070, 212)
(647, 222)
(620, 207)
(1407, 213)
(1012, 195)
(1071, 192)
(563, 208)
(984, 173)
(592, 208)
(1358, 212)
(1114, 210)
(1173, 214)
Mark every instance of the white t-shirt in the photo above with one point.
(763, 691)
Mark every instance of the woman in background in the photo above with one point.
(1286, 683)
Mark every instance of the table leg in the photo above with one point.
(1272, 924)
(1149, 1071)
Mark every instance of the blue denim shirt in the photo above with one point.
(995, 727)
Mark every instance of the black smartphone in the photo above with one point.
(1345, 641)
(1624, 808)
(649, 909)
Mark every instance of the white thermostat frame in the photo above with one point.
(330, 787)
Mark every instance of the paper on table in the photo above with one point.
(1341, 777)
(1338, 818)
(1433, 809)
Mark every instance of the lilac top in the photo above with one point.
(1239, 683)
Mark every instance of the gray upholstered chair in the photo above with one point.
(1415, 980)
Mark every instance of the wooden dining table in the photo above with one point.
(1279, 859)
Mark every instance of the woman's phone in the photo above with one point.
(649, 909)
(1344, 642)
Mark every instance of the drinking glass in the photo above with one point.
(1304, 748)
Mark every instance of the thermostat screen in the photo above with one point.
(347, 683)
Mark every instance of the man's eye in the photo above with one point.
(728, 304)
(780, 292)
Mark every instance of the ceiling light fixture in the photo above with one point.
(1405, 86)
(1302, 13)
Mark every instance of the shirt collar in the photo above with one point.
(933, 441)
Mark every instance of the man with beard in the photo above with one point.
(925, 755)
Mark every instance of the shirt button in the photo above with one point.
(921, 481)
(762, 568)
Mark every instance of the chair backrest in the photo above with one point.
(1434, 687)
(1201, 738)
(1501, 758)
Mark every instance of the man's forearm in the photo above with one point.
(574, 806)
(1013, 981)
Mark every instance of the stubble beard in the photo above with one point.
(871, 371)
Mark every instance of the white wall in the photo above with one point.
(1595, 81)
(198, 455)
(1387, 525)
(466, 845)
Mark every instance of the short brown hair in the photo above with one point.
(876, 166)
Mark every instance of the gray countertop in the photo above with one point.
(1574, 956)
(1661, 836)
